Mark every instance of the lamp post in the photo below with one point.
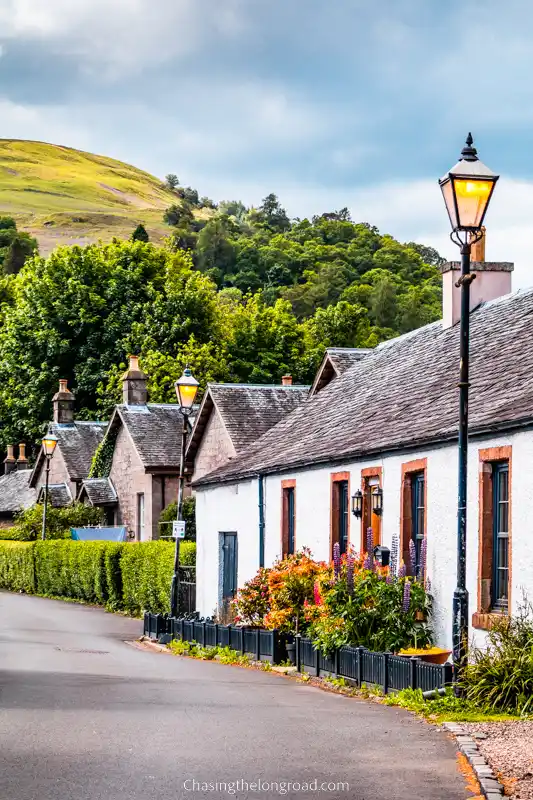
(186, 391)
(467, 189)
(49, 445)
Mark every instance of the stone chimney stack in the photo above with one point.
(492, 280)
(134, 384)
(63, 402)
(9, 461)
(286, 380)
(22, 461)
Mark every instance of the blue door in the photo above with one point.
(229, 566)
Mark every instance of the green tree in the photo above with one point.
(140, 234)
(383, 303)
(214, 248)
(22, 247)
(180, 216)
(172, 181)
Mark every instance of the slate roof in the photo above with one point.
(77, 442)
(156, 431)
(336, 361)
(404, 394)
(247, 411)
(59, 495)
(99, 491)
(16, 494)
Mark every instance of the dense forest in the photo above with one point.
(240, 294)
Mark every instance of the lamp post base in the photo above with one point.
(460, 635)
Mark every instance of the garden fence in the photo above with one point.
(356, 664)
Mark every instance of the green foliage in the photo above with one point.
(368, 611)
(17, 573)
(122, 576)
(171, 181)
(500, 676)
(223, 654)
(445, 707)
(169, 514)
(140, 234)
(59, 521)
(15, 246)
(147, 570)
(103, 455)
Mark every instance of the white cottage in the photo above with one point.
(390, 420)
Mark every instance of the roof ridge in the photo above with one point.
(257, 386)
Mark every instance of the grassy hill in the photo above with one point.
(66, 196)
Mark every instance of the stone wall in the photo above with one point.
(215, 448)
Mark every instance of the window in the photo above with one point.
(418, 482)
(288, 517)
(413, 511)
(494, 569)
(340, 511)
(500, 533)
(140, 517)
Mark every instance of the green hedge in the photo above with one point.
(17, 571)
(127, 577)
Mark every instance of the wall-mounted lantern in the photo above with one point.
(377, 501)
(357, 504)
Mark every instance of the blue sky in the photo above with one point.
(325, 102)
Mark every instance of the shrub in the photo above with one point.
(17, 571)
(500, 677)
(147, 570)
(72, 569)
(291, 584)
(252, 603)
(361, 604)
(59, 521)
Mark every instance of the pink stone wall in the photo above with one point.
(215, 448)
(58, 473)
(129, 479)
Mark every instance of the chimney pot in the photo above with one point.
(63, 403)
(286, 380)
(22, 461)
(134, 384)
(9, 460)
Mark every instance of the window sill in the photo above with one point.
(485, 622)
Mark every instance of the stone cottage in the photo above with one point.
(390, 422)
(232, 416)
(15, 492)
(139, 460)
(76, 446)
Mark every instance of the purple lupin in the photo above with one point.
(394, 556)
(337, 560)
(370, 547)
(350, 565)
(406, 597)
(423, 560)
(402, 572)
(412, 557)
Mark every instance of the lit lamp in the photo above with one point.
(377, 501)
(49, 444)
(467, 190)
(357, 504)
(186, 391)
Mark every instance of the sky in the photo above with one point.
(327, 103)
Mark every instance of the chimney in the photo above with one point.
(22, 461)
(63, 403)
(492, 280)
(134, 384)
(286, 380)
(9, 460)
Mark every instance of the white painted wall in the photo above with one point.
(235, 507)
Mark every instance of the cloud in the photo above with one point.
(114, 38)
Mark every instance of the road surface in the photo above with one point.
(86, 716)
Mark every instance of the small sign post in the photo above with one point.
(178, 529)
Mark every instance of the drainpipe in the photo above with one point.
(261, 487)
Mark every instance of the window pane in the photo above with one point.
(500, 579)
(504, 484)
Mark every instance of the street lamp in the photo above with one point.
(49, 444)
(467, 190)
(186, 391)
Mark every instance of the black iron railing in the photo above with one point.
(356, 664)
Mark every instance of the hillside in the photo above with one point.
(66, 196)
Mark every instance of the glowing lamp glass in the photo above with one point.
(49, 445)
(186, 390)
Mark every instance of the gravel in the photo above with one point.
(508, 747)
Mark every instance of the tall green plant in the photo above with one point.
(499, 677)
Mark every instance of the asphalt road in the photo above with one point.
(85, 715)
